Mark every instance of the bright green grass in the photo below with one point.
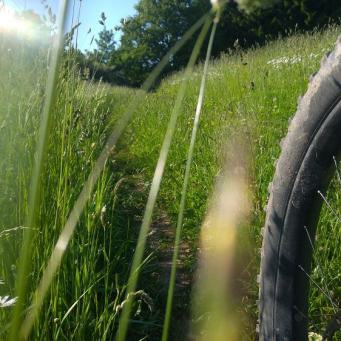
(245, 96)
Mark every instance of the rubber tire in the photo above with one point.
(304, 167)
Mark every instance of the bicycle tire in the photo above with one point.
(304, 167)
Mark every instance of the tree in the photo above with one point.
(252, 5)
(100, 63)
(159, 24)
(105, 42)
(148, 36)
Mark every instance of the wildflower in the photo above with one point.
(278, 62)
(313, 55)
(214, 74)
(6, 301)
(314, 337)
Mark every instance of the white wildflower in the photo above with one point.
(313, 55)
(6, 301)
(278, 62)
(213, 74)
(193, 76)
(314, 337)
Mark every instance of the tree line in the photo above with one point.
(159, 24)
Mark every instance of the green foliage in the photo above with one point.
(251, 5)
(105, 42)
(100, 64)
(250, 91)
(148, 35)
(81, 122)
(251, 94)
(159, 24)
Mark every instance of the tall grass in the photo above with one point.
(189, 160)
(156, 182)
(252, 92)
(37, 184)
(35, 187)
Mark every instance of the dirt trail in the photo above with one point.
(161, 240)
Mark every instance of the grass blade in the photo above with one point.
(157, 181)
(185, 186)
(25, 255)
(68, 230)
(216, 314)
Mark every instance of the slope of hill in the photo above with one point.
(250, 97)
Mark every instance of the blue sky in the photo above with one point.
(89, 15)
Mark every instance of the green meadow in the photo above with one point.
(249, 98)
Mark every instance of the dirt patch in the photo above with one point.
(161, 241)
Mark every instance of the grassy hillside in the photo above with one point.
(250, 96)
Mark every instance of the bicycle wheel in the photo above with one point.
(304, 172)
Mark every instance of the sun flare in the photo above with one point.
(23, 25)
(9, 21)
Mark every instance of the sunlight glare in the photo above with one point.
(13, 23)
(9, 21)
